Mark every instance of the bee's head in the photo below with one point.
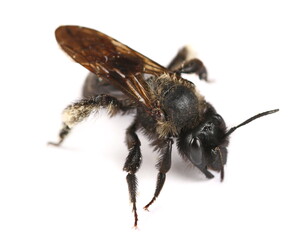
(206, 144)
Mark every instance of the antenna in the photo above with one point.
(250, 120)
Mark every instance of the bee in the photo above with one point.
(167, 107)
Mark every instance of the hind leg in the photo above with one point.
(80, 110)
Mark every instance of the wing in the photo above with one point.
(109, 59)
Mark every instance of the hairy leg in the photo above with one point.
(132, 164)
(82, 109)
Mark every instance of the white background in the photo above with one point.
(255, 53)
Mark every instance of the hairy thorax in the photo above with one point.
(179, 103)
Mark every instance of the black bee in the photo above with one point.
(166, 106)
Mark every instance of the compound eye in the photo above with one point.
(196, 150)
(218, 118)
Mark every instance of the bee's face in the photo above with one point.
(205, 145)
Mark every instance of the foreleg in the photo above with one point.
(163, 166)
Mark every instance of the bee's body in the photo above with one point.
(166, 106)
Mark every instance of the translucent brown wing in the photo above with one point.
(109, 59)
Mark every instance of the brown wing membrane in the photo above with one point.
(111, 60)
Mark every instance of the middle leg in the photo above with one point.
(132, 165)
(182, 64)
